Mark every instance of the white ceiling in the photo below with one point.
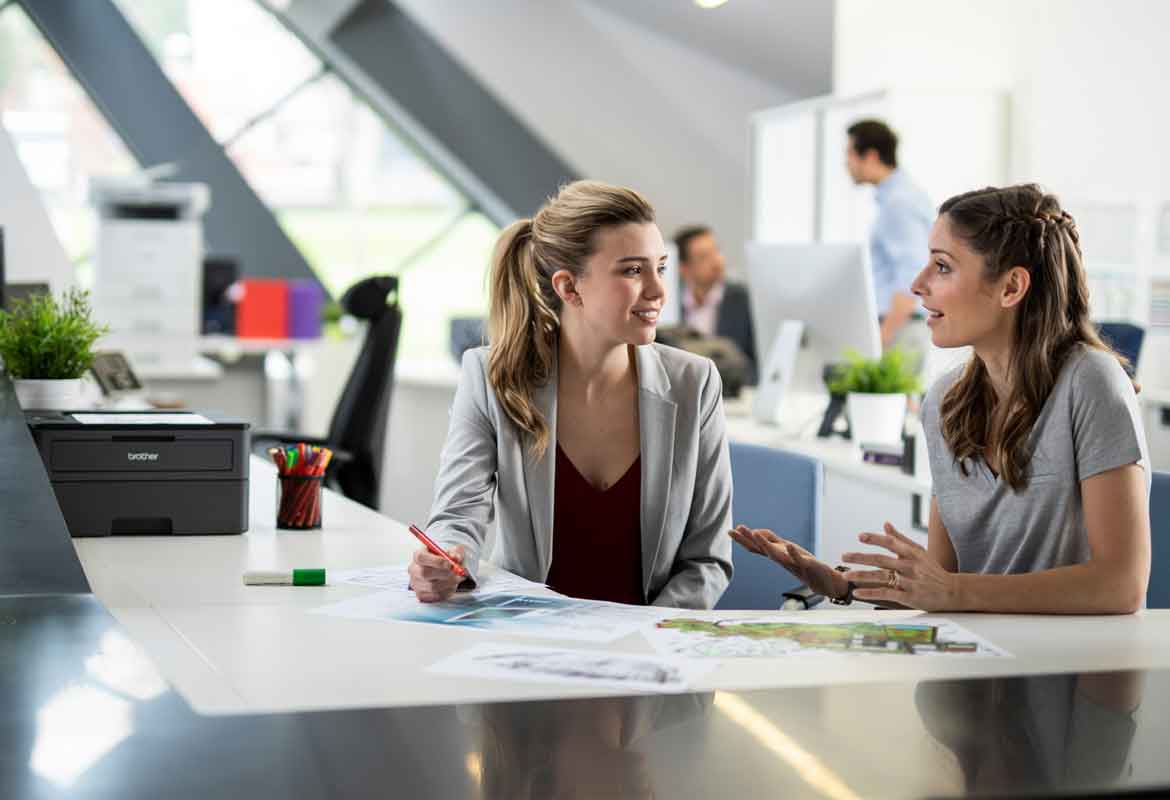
(788, 43)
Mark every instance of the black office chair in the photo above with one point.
(357, 432)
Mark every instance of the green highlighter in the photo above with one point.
(286, 577)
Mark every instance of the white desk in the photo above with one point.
(230, 648)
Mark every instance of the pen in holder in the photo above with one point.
(298, 501)
(298, 486)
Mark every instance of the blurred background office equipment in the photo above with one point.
(114, 374)
(149, 267)
(220, 273)
(14, 292)
(146, 472)
(828, 289)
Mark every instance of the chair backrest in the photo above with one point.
(781, 491)
(359, 421)
(1124, 337)
(1158, 595)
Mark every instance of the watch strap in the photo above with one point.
(848, 598)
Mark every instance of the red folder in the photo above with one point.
(263, 310)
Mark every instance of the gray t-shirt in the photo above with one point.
(1091, 423)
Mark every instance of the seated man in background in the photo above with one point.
(711, 305)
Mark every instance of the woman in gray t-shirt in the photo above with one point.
(1037, 453)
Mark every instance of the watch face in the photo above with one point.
(114, 374)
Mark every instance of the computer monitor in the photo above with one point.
(827, 287)
(22, 291)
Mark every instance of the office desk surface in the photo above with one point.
(231, 648)
(86, 715)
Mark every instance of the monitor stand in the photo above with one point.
(835, 410)
(776, 378)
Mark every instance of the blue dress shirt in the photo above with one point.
(898, 248)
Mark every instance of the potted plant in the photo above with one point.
(47, 346)
(876, 391)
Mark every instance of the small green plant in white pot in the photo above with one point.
(876, 392)
(47, 346)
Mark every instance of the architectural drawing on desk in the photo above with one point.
(735, 638)
(547, 616)
(525, 663)
(593, 667)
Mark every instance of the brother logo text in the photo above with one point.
(142, 456)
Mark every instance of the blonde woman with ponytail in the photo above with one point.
(1037, 452)
(601, 455)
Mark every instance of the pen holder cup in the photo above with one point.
(298, 501)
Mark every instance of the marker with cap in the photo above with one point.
(284, 577)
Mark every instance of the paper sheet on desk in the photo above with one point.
(394, 577)
(709, 634)
(521, 662)
(544, 616)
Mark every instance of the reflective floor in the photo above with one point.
(84, 714)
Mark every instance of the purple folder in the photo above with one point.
(305, 301)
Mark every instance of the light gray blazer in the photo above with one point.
(686, 478)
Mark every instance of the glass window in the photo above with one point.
(353, 195)
(231, 60)
(60, 136)
(449, 280)
(357, 200)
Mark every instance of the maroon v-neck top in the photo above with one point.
(597, 536)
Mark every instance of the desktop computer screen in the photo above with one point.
(829, 288)
(827, 291)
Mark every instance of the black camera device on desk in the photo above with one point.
(123, 472)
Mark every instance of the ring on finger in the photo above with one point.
(892, 581)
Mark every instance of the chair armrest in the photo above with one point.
(800, 598)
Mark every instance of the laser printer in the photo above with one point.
(145, 472)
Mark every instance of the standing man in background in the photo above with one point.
(711, 305)
(898, 241)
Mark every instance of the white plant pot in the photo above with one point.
(877, 418)
(58, 395)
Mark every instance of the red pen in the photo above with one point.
(434, 548)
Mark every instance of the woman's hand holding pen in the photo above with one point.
(910, 577)
(432, 578)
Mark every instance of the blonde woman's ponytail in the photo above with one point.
(524, 310)
(522, 331)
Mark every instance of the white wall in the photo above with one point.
(1089, 79)
(33, 251)
(616, 100)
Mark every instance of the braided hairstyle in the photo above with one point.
(1019, 226)
(524, 309)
